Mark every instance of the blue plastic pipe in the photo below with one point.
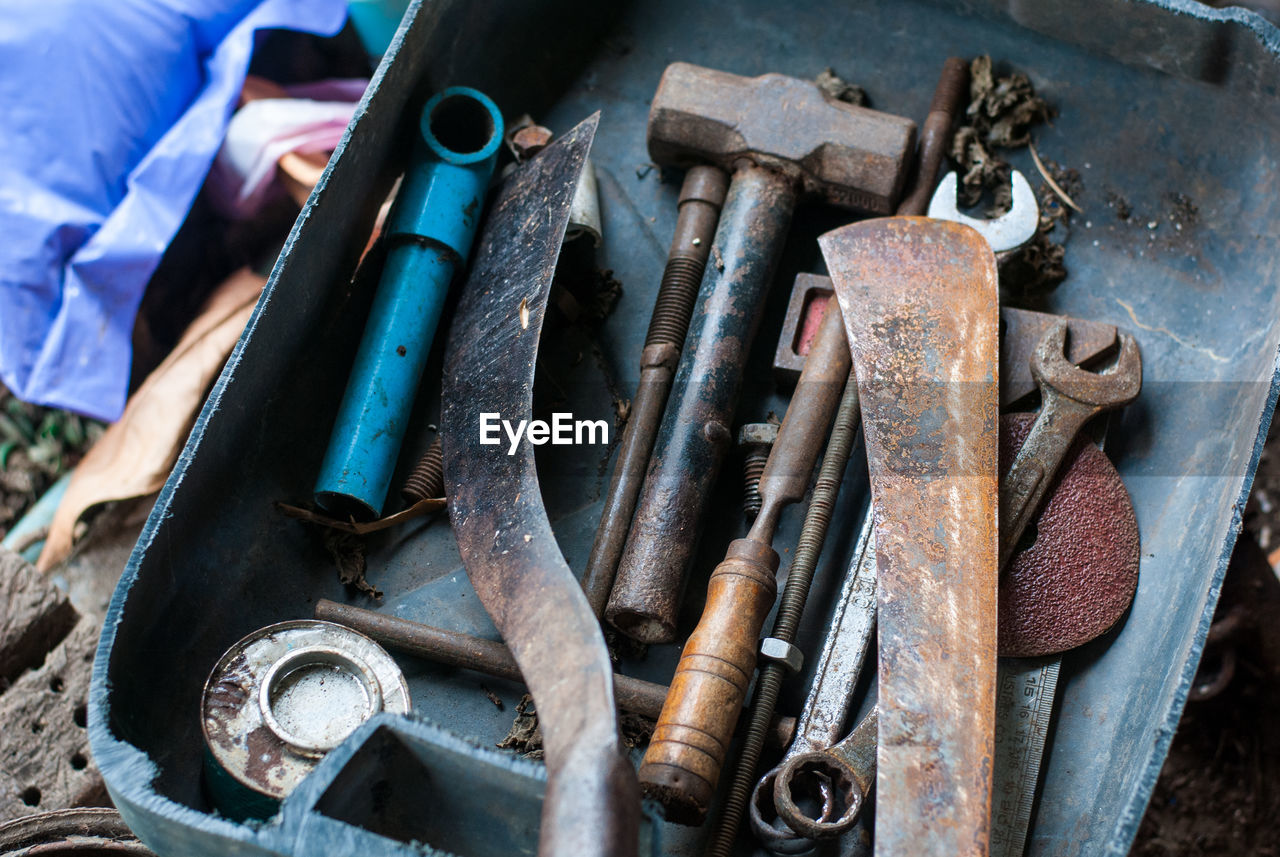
(429, 234)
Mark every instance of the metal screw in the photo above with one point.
(756, 441)
(426, 480)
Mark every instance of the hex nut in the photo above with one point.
(782, 652)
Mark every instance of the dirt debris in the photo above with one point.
(1182, 211)
(833, 86)
(621, 647)
(604, 293)
(636, 730)
(1117, 203)
(524, 736)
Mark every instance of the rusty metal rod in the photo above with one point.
(701, 198)
(490, 657)
(935, 134)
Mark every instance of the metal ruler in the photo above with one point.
(1025, 688)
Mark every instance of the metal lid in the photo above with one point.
(285, 695)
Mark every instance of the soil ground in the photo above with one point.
(1219, 791)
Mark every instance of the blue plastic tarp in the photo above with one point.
(111, 114)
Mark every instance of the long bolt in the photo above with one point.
(490, 657)
(701, 197)
(935, 134)
(934, 140)
(756, 440)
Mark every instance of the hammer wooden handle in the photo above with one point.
(687, 751)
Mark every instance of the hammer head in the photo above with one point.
(849, 156)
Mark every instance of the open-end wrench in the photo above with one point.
(1005, 233)
(1025, 687)
(1070, 397)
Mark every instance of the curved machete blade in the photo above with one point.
(495, 505)
(920, 307)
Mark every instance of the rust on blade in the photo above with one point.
(592, 802)
(920, 307)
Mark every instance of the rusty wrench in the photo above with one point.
(844, 774)
(1071, 396)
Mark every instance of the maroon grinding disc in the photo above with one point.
(1078, 577)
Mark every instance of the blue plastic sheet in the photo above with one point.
(111, 114)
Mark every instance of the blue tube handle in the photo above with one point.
(429, 233)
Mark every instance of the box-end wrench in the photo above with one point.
(842, 775)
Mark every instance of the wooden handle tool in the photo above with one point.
(687, 751)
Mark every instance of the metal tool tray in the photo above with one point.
(1154, 99)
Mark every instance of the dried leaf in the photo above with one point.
(833, 86)
(1000, 115)
(134, 456)
(524, 736)
(494, 698)
(347, 550)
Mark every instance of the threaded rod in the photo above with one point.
(812, 535)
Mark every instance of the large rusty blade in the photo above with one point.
(920, 307)
(592, 802)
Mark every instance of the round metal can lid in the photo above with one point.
(286, 694)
